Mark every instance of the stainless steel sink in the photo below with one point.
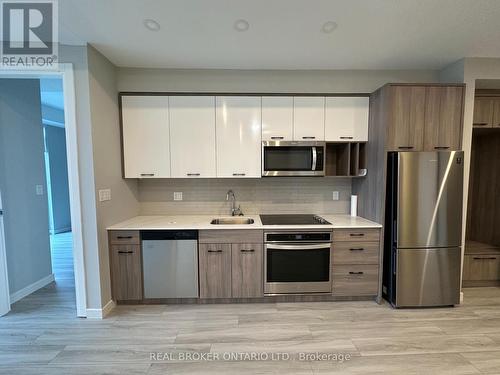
(232, 220)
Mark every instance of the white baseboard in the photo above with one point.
(20, 294)
(461, 297)
(101, 313)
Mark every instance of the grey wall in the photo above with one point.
(55, 142)
(271, 195)
(107, 159)
(21, 169)
(327, 81)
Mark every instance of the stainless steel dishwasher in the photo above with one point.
(170, 263)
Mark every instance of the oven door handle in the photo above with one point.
(315, 158)
(298, 247)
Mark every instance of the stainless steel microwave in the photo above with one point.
(290, 158)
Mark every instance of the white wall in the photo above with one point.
(21, 169)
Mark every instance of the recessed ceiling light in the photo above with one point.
(241, 25)
(151, 25)
(329, 27)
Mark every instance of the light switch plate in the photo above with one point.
(335, 195)
(177, 195)
(39, 189)
(104, 195)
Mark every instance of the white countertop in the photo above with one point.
(202, 222)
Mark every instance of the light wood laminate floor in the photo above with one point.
(42, 336)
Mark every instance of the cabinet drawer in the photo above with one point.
(355, 280)
(231, 236)
(482, 267)
(356, 253)
(124, 237)
(356, 235)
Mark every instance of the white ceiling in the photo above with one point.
(285, 34)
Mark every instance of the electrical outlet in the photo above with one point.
(104, 195)
(39, 189)
(335, 195)
(177, 195)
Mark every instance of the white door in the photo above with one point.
(309, 118)
(277, 118)
(4, 279)
(146, 142)
(192, 136)
(238, 125)
(346, 119)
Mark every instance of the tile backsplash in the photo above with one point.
(266, 195)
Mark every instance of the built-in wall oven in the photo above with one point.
(288, 158)
(297, 262)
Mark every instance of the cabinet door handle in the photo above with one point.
(125, 252)
(147, 174)
(215, 251)
(484, 258)
(239, 174)
(357, 249)
(278, 137)
(356, 234)
(308, 137)
(346, 137)
(356, 273)
(193, 174)
(406, 147)
(247, 250)
(441, 147)
(480, 124)
(124, 237)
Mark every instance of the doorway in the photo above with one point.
(482, 246)
(57, 186)
(37, 192)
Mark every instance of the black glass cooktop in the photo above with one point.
(292, 219)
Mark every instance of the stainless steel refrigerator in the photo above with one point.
(423, 228)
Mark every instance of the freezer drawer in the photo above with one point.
(428, 277)
(170, 268)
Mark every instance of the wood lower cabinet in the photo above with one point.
(355, 266)
(481, 264)
(126, 272)
(236, 271)
(215, 270)
(247, 270)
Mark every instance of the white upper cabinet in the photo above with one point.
(146, 142)
(309, 118)
(192, 136)
(277, 118)
(238, 125)
(346, 119)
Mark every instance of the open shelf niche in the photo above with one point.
(345, 160)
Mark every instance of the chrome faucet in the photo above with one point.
(234, 211)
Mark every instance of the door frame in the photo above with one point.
(64, 71)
